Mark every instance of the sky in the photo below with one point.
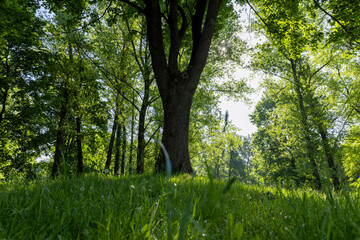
(239, 111)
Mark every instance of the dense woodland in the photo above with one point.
(95, 86)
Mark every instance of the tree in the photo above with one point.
(343, 21)
(300, 76)
(20, 63)
(273, 159)
(178, 85)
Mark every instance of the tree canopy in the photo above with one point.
(95, 86)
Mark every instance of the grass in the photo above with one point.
(155, 207)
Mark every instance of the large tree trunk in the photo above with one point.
(176, 130)
(80, 164)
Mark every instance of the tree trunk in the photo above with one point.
(80, 165)
(170, 80)
(123, 150)
(112, 138)
(141, 130)
(4, 104)
(64, 106)
(231, 162)
(329, 158)
(176, 130)
(131, 139)
(177, 88)
(7, 89)
(117, 149)
(60, 132)
(305, 127)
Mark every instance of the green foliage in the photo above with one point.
(98, 52)
(352, 156)
(298, 118)
(20, 63)
(291, 24)
(344, 25)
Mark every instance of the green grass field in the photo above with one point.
(154, 207)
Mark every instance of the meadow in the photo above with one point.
(180, 207)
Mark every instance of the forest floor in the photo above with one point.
(181, 207)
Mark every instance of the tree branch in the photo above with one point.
(156, 45)
(336, 20)
(134, 5)
(201, 47)
(197, 20)
(175, 41)
(318, 70)
(184, 23)
(91, 22)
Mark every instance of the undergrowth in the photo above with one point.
(181, 207)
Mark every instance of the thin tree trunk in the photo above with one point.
(64, 107)
(60, 132)
(112, 137)
(80, 165)
(218, 165)
(131, 139)
(3, 109)
(7, 89)
(141, 130)
(123, 149)
(78, 119)
(231, 160)
(306, 130)
(329, 158)
(117, 149)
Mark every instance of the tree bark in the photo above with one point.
(177, 88)
(131, 138)
(112, 137)
(4, 104)
(329, 157)
(80, 164)
(59, 151)
(305, 127)
(60, 132)
(6, 93)
(141, 130)
(117, 149)
(123, 149)
(176, 130)
(231, 161)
